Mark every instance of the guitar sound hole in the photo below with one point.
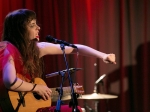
(38, 97)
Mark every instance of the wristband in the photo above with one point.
(33, 87)
(19, 85)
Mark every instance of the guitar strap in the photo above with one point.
(21, 100)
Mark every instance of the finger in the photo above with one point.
(43, 96)
(113, 62)
(47, 95)
(49, 91)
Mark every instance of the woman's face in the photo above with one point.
(33, 30)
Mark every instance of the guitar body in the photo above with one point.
(31, 102)
(11, 101)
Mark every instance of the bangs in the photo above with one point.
(29, 15)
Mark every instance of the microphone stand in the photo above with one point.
(96, 101)
(60, 91)
(74, 101)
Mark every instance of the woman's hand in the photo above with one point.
(110, 58)
(43, 91)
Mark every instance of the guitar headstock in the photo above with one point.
(78, 89)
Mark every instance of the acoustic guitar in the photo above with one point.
(30, 102)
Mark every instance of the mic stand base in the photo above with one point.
(75, 104)
(58, 106)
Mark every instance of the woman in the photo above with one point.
(21, 52)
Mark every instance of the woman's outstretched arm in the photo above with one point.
(53, 49)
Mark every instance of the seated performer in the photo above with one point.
(20, 53)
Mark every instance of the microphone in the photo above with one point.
(98, 80)
(71, 70)
(49, 38)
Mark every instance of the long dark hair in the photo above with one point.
(15, 31)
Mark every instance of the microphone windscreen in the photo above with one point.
(49, 38)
